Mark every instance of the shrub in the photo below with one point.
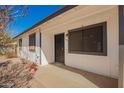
(2, 52)
(11, 54)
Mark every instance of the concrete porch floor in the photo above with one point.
(60, 76)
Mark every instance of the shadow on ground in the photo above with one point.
(98, 80)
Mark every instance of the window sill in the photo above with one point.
(89, 53)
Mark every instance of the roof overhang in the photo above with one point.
(60, 11)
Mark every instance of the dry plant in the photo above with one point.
(11, 54)
(15, 75)
(10, 13)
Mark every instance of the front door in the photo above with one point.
(59, 48)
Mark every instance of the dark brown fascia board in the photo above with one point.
(60, 11)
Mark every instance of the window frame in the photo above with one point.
(20, 42)
(104, 52)
(34, 47)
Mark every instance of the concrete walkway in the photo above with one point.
(59, 76)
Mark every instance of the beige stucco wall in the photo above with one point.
(25, 53)
(74, 18)
(83, 16)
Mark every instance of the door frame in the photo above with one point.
(55, 47)
(40, 36)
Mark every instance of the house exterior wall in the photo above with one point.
(75, 18)
(25, 53)
(83, 16)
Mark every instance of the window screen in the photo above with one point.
(89, 40)
(32, 42)
(93, 39)
(20, 43)
(76, 40)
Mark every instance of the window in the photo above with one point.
(32, 42)
(20, 44)
(75, 41)
(89, 40)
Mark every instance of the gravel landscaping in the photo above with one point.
(14, 73)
